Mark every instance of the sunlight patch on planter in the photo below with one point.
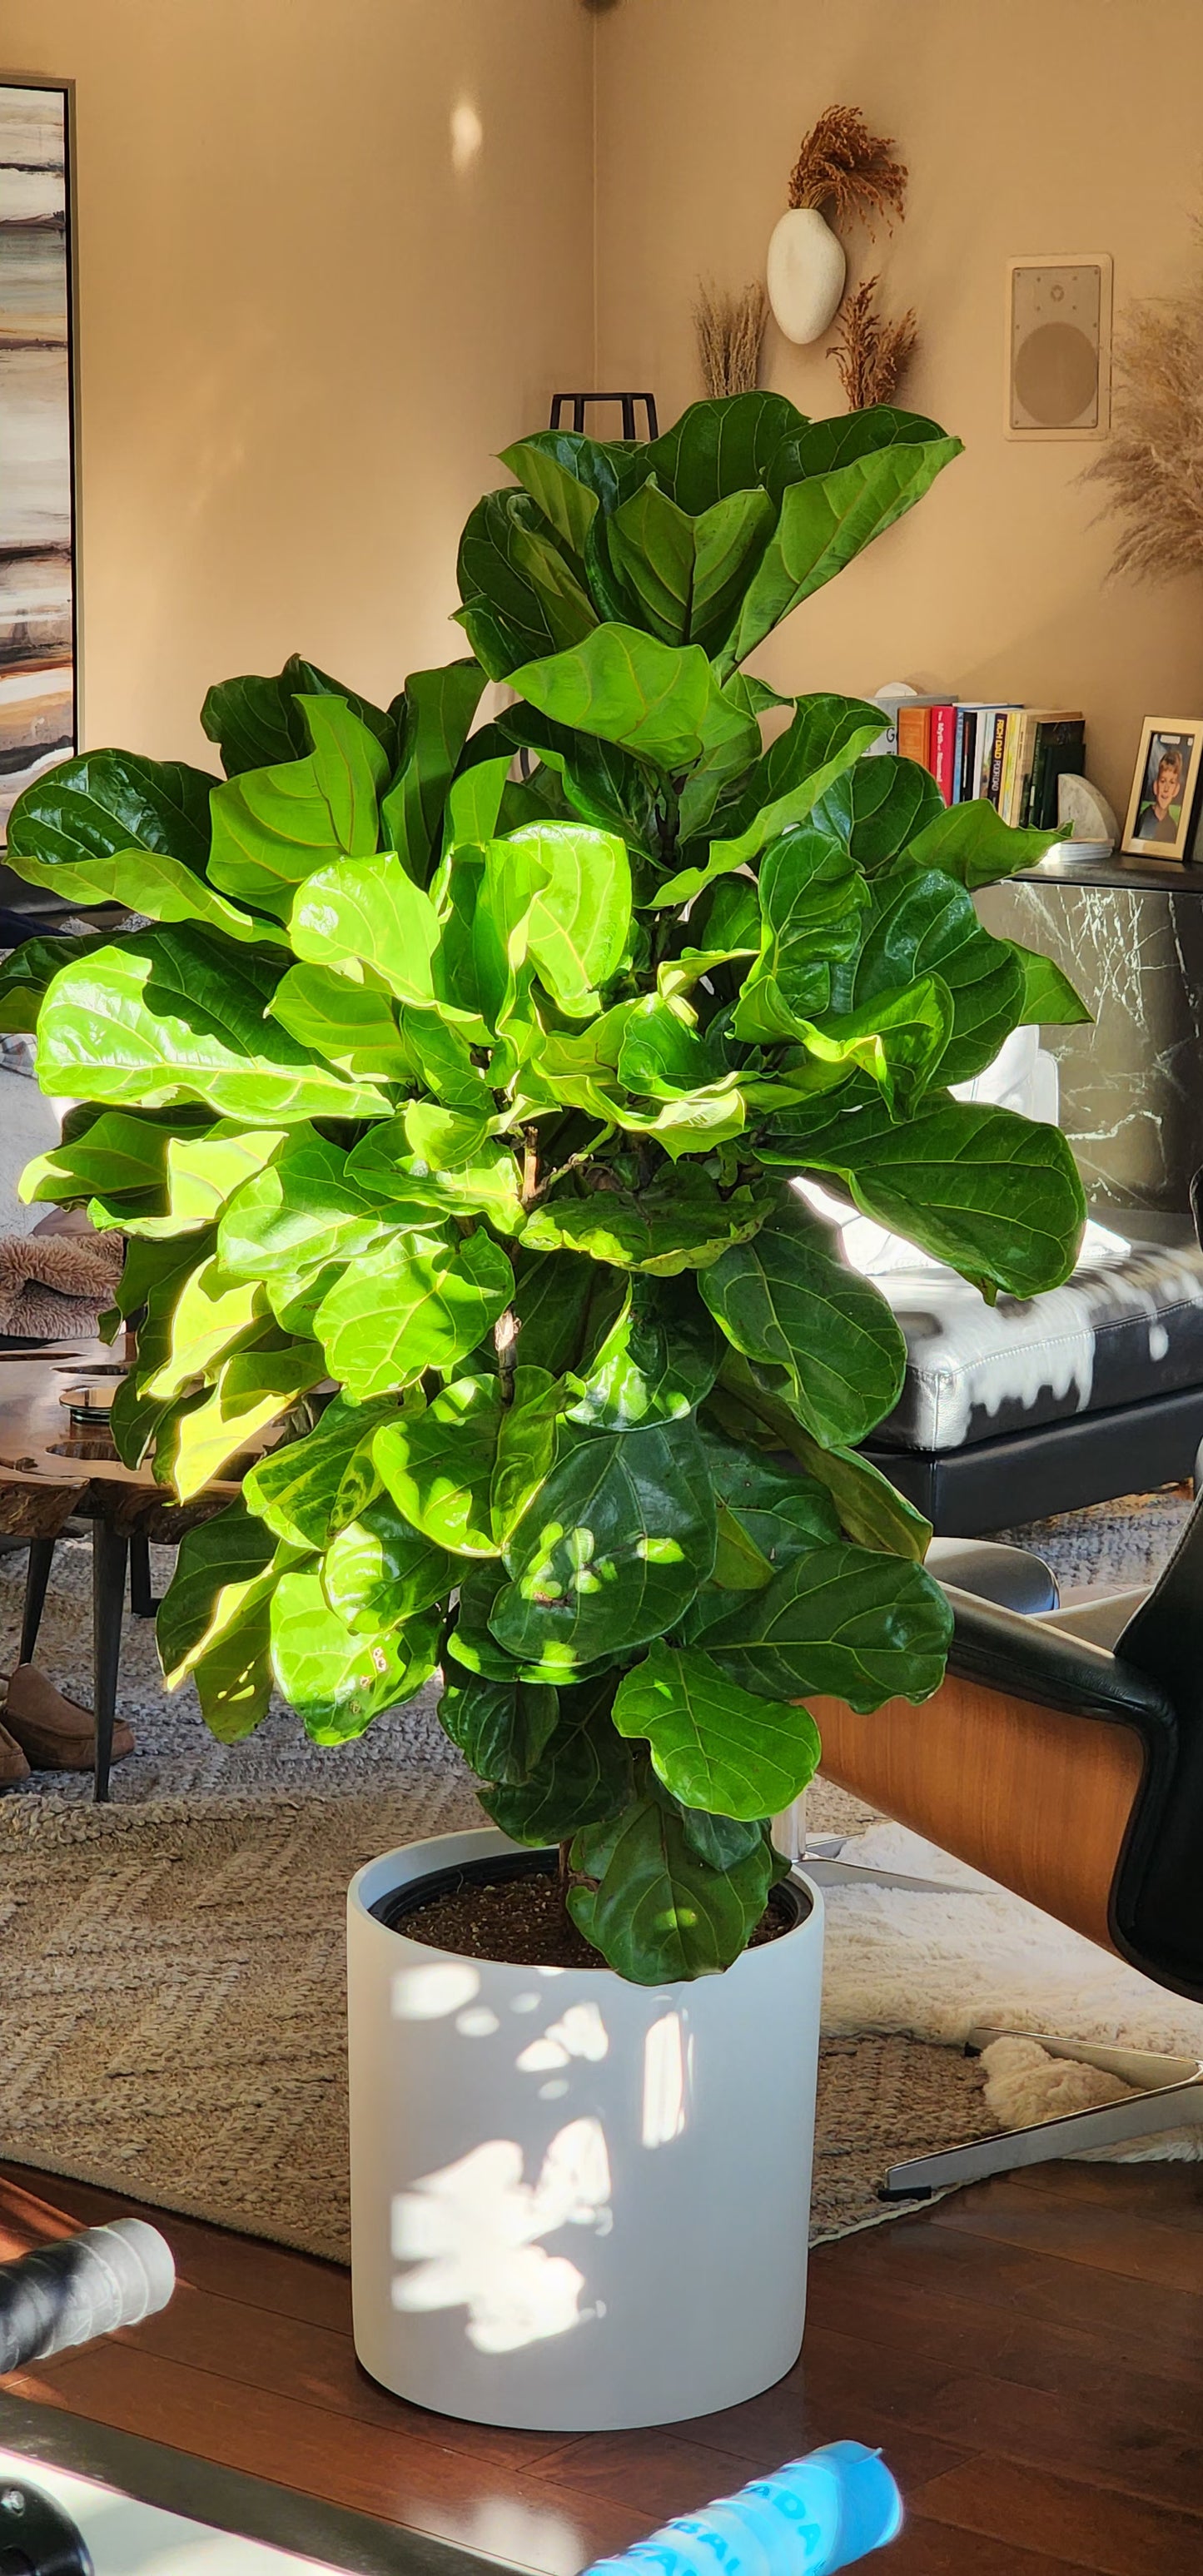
(431, 1993)
(471, 2233)
(665, 2072)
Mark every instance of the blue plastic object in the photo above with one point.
(810, 2518)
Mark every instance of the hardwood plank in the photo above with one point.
(390, 2474)
(1136, 2246)
(970, 2334)
(649, 2468)
(1109, 2534)
(930, 2549)
(1035, 2283)
(1171, 2195)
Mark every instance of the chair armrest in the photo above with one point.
(1035, 1660)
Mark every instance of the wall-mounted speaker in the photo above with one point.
(1058, 347)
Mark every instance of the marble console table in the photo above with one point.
(1129, 933)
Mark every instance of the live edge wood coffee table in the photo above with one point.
(57, 1464)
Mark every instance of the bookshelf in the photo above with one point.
(1122, 875)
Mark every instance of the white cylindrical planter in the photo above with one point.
(577, 2204)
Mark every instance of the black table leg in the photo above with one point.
(41, 1558)
(141, 1599)
(110, 1549)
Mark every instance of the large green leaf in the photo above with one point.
(438, 1465)
(688, 574)
(378, 1571)
(149, 881)
(564, 1305)
(786, 1299)
(721, 446)
(117, 1152)
(272, 828)
(581, 916)
(659, 701)
(824, 522)
(254, 1387)
(172, 1015)
(923, 923)
(825, 737)
(424, 1189)
(521, 600)
(501, 1728)
(813, 901)
(899, 1039)
(868, 1507)
(112, 800)
(353, 1026)
(257, 722)
(584, 1773)
(996, 1195)
(659, 1360)
(1049, 998)
(816, 446)
(972, 843)
(660, 1910)
(301, 1211)
(681, 1221)
(212, 1317)
(297, 1489)
(416, 1302)
(441, 705)
(878, 808)
(28, 971)
(221, 1571)
(338, 1683)
(369, 912)
(844, 1621)
(566, 474)
(613, 1548)
(714, 1745)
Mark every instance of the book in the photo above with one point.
(1060, 746)
(941, 757)
(914, 730)
(992, 776)
(1036, 721)
(968, 719)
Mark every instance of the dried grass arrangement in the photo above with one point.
(730, 330)
(1152, 467)
(871, 353)
(842, 165)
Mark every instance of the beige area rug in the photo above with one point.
(174, 2027)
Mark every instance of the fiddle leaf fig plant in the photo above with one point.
(451, 1103)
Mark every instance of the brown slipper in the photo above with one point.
(13, 1765)
(55, 1733)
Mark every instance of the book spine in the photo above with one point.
(914, 733)
(1023, 770)
(998, 750)
(942, 753)
(969, 724)
(982, 750)
(1010, 759)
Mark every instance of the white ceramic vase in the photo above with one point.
(805, 273)
(577, 2205)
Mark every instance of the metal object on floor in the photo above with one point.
(822, 1858)
(1169, 2096)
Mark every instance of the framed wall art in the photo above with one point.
(37, 479)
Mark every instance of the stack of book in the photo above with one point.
(1011, 755)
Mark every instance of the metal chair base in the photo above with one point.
(1170, 2096)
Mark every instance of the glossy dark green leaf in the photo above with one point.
(297, 1488)
(813, 903)
(440, 706)
(656, 700)
(521, 600)
(680, 1222)
(112, 800)
(924, 923)
(688, 574)
(438, 1465)
(415, 1302)
(378, 1572)
(501, 1728)
(660, 1912)
(656, 1364)
(565, 1306)
(817, 446)
(781, 1513)
(868, 1507)
(721, 446)
(272, 828)
(28, 971)
(900, 1039)
(877, 808)
(565, 473)
(713, 1744)
(338, 1683)
(825, 521)
(825, 737)
(175, 1015)
(972, 843)
(786, 1299)
(256, 723)
(843, 1621)
(1049, 998)
(584, 1773)
(221, 1572)
(602, 783)
(614, 1546)
(526, 1447)
(996, 1195)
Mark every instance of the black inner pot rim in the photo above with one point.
(391, 1908)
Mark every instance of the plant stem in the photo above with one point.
(505, 1343)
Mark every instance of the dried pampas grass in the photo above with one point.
(871, 353)
(730, 329)
(842, 165)
(1152, 468)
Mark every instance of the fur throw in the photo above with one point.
(55, 1286)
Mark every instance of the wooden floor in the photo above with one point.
(1029, 2355)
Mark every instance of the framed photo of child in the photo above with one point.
(1163, 788)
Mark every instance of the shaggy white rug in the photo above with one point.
(931, 1967)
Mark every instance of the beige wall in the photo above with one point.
(1029, 126)
(303, 332)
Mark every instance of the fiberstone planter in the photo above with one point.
(578, 2204)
